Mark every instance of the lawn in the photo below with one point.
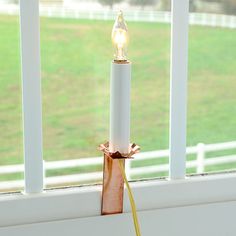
(76, 57)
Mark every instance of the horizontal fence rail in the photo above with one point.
(200, 163)
(206, 19)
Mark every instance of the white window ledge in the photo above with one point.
(216, 219)
(82, 202)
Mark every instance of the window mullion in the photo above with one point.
(31, 95)
(178, 88)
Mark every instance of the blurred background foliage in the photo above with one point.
(211, 6)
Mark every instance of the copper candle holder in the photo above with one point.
(113, 183)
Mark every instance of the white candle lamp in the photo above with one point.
(119, 146)
(120, 89)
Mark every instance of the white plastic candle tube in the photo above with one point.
(120, 106)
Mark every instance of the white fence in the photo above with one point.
(200, 162)
(214, 20)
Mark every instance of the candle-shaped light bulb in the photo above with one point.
(120, 89)
(120, 38)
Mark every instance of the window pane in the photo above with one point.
(211, 105)
(76, 57)
(11, 152)
(149, 52)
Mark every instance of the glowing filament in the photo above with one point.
(120, 38)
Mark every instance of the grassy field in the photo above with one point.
(76, 57)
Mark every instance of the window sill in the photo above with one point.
(83, 202)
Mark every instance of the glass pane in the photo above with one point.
(76, 55)
(11, 152)
(211, 108)
(149, 52)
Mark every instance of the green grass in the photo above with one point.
(76, 57)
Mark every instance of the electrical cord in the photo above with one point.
(131, 199)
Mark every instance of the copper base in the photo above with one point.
(113, 187)
(113, 183)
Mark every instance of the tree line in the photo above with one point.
(228, 6)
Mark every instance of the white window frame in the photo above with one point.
(194, 204)
(164, 206)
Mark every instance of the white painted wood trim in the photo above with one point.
(31, 98)
(216, 219)
(178, 87)
(83, 202)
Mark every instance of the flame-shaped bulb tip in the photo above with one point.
(120, 38)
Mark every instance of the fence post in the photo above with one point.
(49, 12)
(165, 20)
(91, 17)
(232, 22)
(76, 13)
(44, 174)
(151, 17)
(213, 20)
(204, 19)
(135, 15)
(222, 21)
(127, 169)
(200, 157)
(63, 13)
(191, 18)
(216, 18)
